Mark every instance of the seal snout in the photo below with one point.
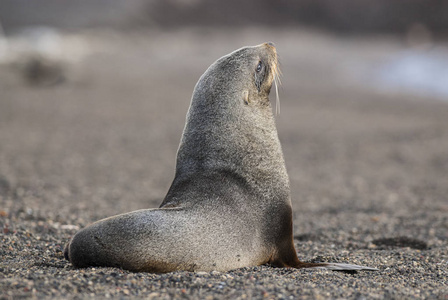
(270, 44)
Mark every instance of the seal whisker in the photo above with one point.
(277, 99)
(277, 81)
(278, 70)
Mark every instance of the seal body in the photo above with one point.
(229, 204)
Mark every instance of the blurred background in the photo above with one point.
(417, 26)
(342, 16)
(93, 97)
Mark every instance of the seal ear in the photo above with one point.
(246, 97)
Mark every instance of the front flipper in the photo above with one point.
(286, 256)
(338, 267)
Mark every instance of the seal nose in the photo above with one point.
(270, 44)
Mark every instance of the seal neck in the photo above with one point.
(229, 141)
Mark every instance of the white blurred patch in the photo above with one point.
(424, 73)
(44, 42)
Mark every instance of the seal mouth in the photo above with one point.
(276, 72)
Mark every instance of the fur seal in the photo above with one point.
(229, 204)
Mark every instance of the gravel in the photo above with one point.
(368, 169)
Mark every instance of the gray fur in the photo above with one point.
(229, 204)
(221, 211)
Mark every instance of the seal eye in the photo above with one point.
(259, 66)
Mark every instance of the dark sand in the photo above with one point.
(368, 169)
